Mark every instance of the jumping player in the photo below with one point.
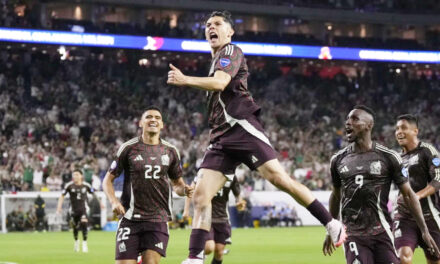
(236, 136)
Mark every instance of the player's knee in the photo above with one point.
(218, 253)
(201, 201)
(209, 247)
(406, 256)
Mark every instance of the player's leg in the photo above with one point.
(357, 250)
(151, 257)
(218, 253)
(275, 173)
(210, 244)
(406, 239)
(208, 184)
(75, 222)
(83, 225)
(153, 242)
(127, 242)
(384, 248)
(406, 255)
(209, 247)
(222, 236)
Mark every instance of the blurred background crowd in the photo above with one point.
(57, 115)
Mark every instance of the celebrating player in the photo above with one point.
(77, 190)
(149, 164)
(236, 136)
(423, 164)
(362, 174)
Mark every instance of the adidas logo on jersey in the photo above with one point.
(343, 169)
(159, 245)
(138, 158)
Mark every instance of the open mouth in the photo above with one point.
(213, 36)
(152, 125)
(348, 131)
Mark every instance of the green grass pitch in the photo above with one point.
(263, 245)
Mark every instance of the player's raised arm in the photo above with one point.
(216, 83)
(109, 190)
(413, 204)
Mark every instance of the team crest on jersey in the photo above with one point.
(413, 160)
(122, 247)
(83, 190)
(436, 161)
(225, 62)
(165, 160)
(375, 167)
(405, 172)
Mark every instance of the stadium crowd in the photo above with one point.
(57, 115)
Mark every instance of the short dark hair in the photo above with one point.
(227, 17)
(77, 170)
(152, 107)
(366, 109)
(412, 119)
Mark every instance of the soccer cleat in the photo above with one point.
(226, 251)
(192, 261)
(85, 248)
(76, 246)
(337, 233)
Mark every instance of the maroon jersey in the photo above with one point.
(235, 102)
(423, 167)
(78, 196)
(147, 193)
(220, 201)
(365, 180)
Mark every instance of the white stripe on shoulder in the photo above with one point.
(340, 152)
(431, 148)
(125, 144)
(389, 151)
(87, 184)
(166, 143)
(231, 49)
(68, 184)
(228, 49)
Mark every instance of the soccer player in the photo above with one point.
(150, 165)
(236, 136)
(423, 164)
(362, 174)
(220, 233)
(77, 190)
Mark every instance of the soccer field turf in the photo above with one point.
(264, 245)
